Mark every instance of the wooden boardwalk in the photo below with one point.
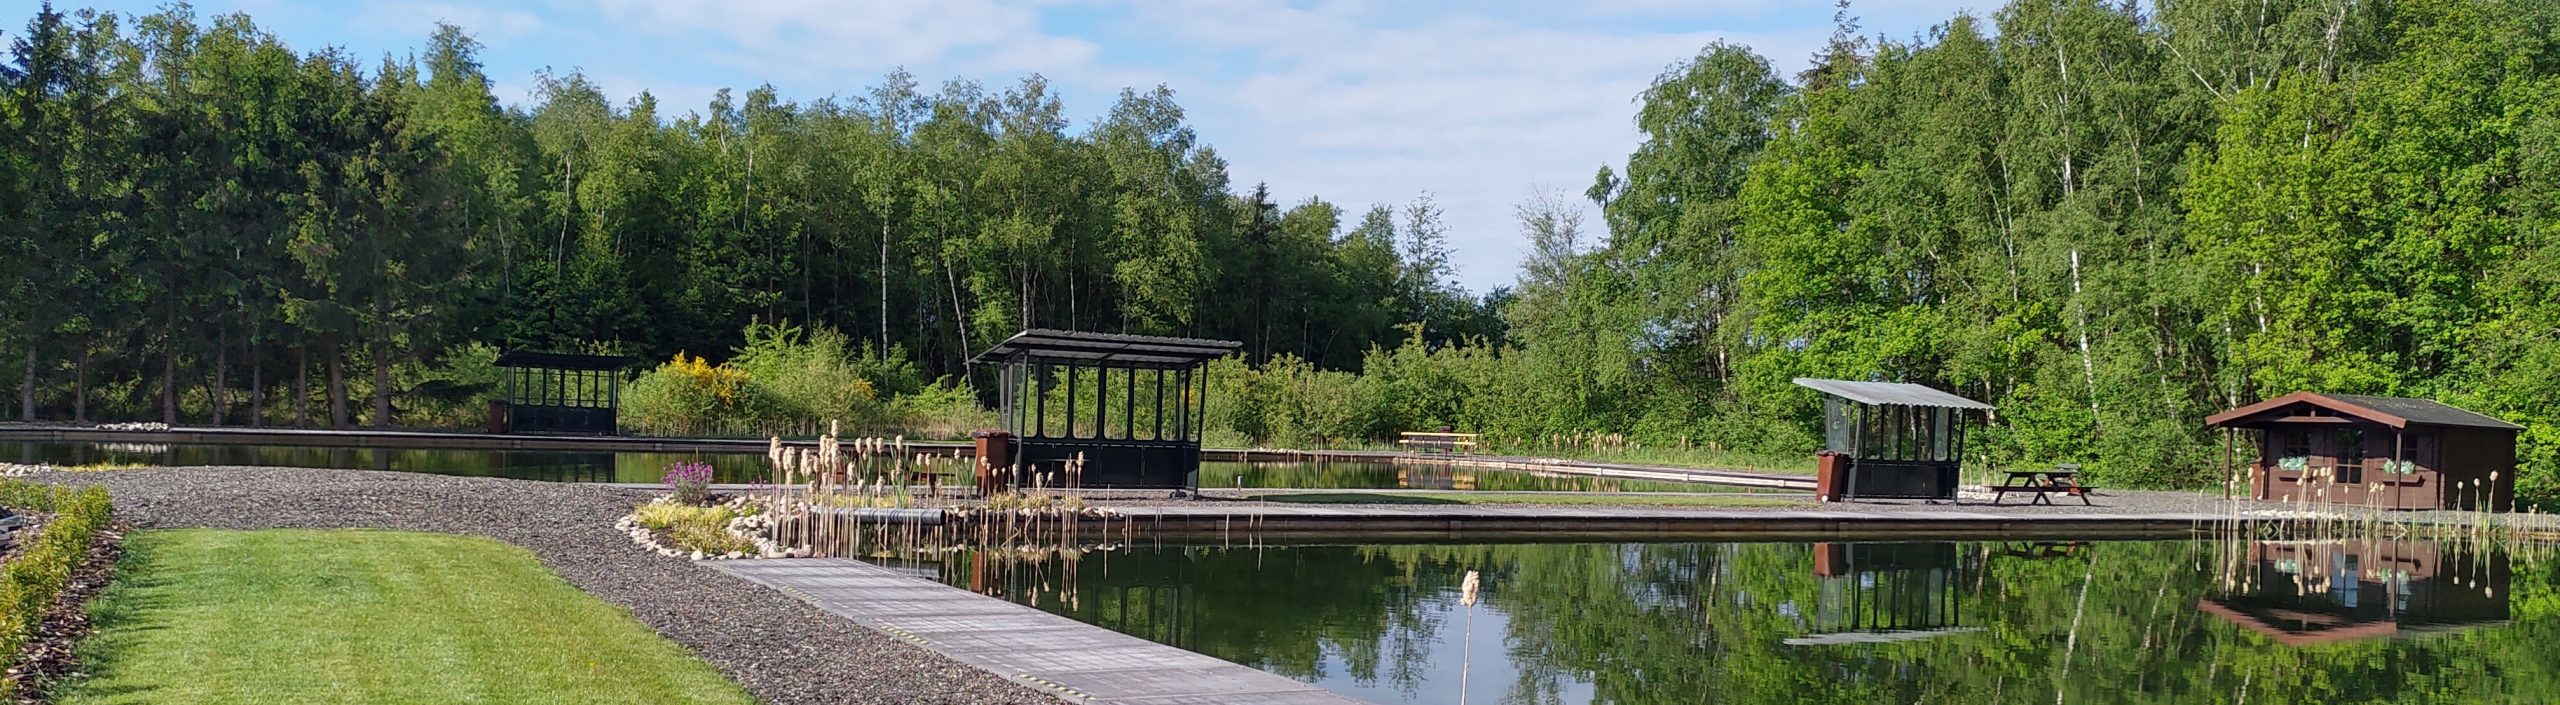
(1242, 519)
(1076, 661)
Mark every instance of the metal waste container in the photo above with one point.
(1830, 476)
(995, 461)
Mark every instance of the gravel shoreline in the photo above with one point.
(781, 649)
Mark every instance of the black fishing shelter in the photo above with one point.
(551, 392)
(1130, 405)
(1891, 439)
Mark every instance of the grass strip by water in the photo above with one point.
(1633, 499)
(350, 616)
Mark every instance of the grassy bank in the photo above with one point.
(303, 616)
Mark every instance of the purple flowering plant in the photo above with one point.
(691, 482)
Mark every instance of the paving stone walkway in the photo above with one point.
(1071, 659)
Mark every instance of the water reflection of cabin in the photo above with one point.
(1878, 592)
(1131, 404)
(2308, 592)
(1890, 439)
(2385, 452)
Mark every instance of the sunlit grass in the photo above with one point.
(104, 466)
(303, 616)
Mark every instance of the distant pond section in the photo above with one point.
(644, 467)
(2208, 621)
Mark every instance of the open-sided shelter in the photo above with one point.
(1890, 439)
(1129, 405)
(550, 392)
(2384, 452)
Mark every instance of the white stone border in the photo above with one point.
(752, 528)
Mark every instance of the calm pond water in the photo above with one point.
(556, 466)
(1372, 476)
(2399, 621)
(601, 466)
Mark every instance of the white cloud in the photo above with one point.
(1474, 109)
(781, 39)
(488, 24)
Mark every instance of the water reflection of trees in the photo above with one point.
(1364, 475)
(548, 465)
(1691, 623)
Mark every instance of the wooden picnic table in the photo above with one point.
(2043, 483)
(1441, 442)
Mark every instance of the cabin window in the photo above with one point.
(2351, 456)
(2295, 449)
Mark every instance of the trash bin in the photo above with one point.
(1830, 476)
(995, 461)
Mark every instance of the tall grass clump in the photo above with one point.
(695, 528)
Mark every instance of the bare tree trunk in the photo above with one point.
(221, 359)
(169, 386)
(27, 389)
(884, 282)
(302, 386)
(337, 386)
(257, 387)
(2088, 367)
(80, 385)
(959, 321)
(381, 386)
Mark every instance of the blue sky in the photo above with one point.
(1356, 101)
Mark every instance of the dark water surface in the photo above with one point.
(609, 466)
(2379, 621)
(1423, 476)
(550, 465)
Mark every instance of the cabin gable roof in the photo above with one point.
(2395, 412)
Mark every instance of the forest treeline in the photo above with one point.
(203, 220)
(2109, 219)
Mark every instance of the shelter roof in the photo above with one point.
(562, 361)
(1106, 349)
(1889, 393)
(2395, 412)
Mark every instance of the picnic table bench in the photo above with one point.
(1441, 442)
(2064, 479)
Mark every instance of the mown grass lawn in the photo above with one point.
(312, 616)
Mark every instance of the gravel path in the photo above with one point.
(781, 649)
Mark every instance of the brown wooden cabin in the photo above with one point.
(2384, 452)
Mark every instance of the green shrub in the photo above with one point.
(806, 377)
(891, 372)
(944, 409)
(687, 396)
(29, 584)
